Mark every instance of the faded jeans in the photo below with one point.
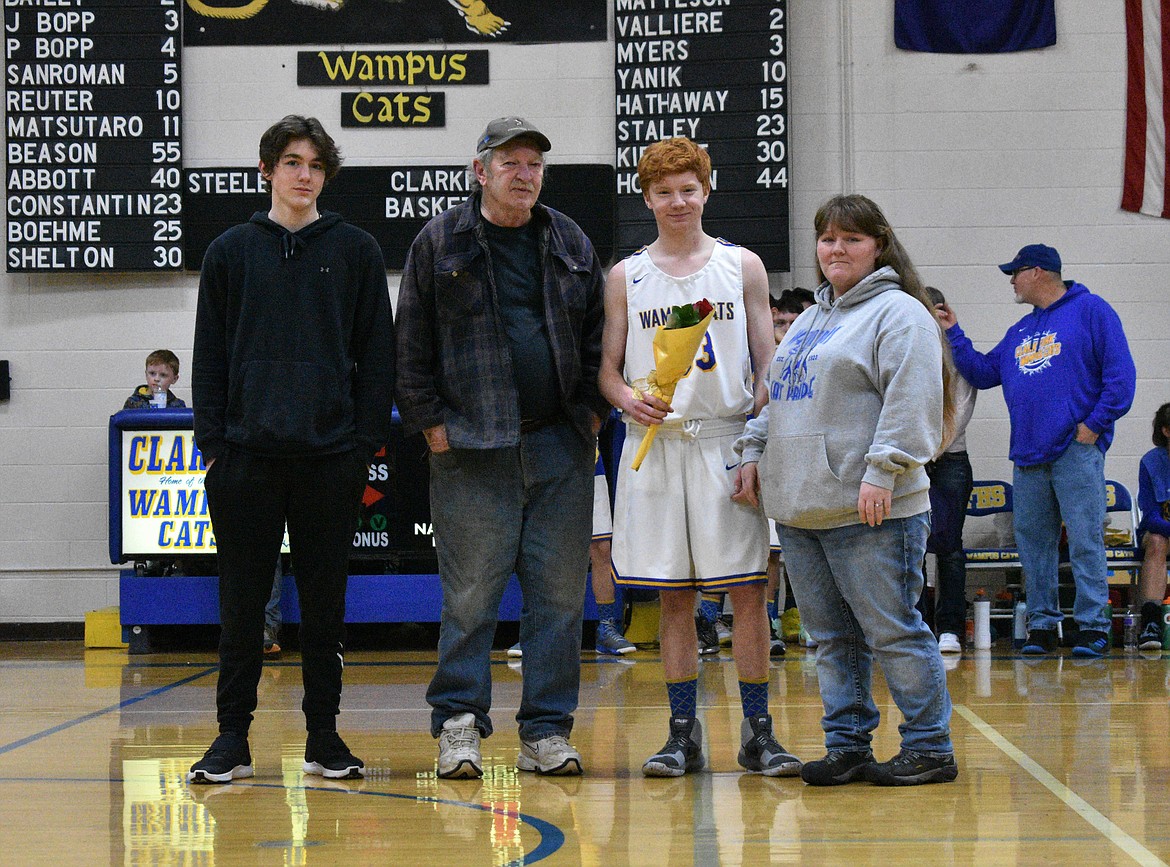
(856, 588)
(526, 509)
(1071, 488)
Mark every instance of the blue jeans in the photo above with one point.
(1072, 489)
(526, 509)
(856, 587)
(950, 489)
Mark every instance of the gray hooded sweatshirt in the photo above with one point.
(855, 395)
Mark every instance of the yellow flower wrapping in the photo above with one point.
(674, 355)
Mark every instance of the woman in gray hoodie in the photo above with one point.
(856, 407)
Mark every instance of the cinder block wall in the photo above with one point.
(970, 156)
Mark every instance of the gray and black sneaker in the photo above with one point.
(708, 637)
(682, 753)
(327, 755)
(912, 768)
(1151, 637)
(228, 758)
(837, 768)
(761, 753)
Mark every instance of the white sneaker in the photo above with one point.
(552, 755)
(723, 631)
(948, 642)
(459, 757)
(515, 651)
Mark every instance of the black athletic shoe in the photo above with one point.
(327, 755)
(837, 768)
(1091, 644)
(1040, 642)
(910, 768)
(227, 759)
(708, 637)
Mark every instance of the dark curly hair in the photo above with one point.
(1161, 421)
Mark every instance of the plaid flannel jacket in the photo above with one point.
(453, 360)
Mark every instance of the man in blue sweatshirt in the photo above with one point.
(1067, 377)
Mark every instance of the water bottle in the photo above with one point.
(1130, 633)
(982, 608)
(1020, 624)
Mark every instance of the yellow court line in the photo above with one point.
(1083, 808)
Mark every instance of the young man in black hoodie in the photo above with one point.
(292, 380)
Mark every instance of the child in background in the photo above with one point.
(162, 371)
(1154, 530)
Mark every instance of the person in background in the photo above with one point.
(273, 617)
(293, 386)
(713, 628)
(790, 305)
(859, 404)
(1067, 377)
(951, 482)
(162, 371)
(1154, 530)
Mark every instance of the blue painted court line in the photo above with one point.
(6, 748)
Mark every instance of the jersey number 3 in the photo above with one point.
(706, 357)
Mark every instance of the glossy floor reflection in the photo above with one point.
(1061, 761)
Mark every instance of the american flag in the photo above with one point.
(1144, 186)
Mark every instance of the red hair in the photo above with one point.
(673, 156)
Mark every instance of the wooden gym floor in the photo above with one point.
(1061, 761)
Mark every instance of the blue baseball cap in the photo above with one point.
(1034, 256)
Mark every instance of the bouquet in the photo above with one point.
(675, 345)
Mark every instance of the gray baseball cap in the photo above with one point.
(503, 129)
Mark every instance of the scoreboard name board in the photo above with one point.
(93, 91)
(714, 71)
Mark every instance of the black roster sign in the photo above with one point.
(714, 71)
(92, 146)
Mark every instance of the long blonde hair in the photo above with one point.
(858, 213)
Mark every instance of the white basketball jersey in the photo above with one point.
(720, 381)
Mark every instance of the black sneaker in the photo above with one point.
(327, 755)
(837, 768)
(761, 753)
(1040, 642)
(708, 637)
(682, 753)
(1151, 637)
(776, 649)
(227, 759)
(1091, 644)
(910, 768)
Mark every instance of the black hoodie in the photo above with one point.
(294, 341)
